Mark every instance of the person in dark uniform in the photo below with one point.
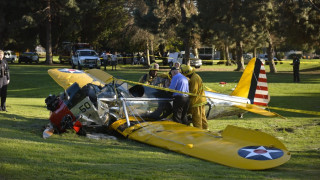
(4, 80)
(296, 66)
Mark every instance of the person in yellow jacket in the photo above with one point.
(197, 103)
(152, 77)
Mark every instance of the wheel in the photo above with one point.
(73, 66)
(197, 67)
(79, 66)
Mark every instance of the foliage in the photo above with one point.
(300, 24)
(120, 25)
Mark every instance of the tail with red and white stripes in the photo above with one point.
(253, 83)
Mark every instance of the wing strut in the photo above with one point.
(125, 111)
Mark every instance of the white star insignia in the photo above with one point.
(70, 70)
(260, 151)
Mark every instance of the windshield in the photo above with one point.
(87, 53)
(191, 55)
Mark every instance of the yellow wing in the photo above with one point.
(101, 75)
(66, 77)
(236, 147)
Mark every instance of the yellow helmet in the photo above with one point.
(154, 66)
(186, 69)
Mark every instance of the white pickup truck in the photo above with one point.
(86, 58)
(10, 56)
(178, 57)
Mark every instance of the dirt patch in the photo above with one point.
(290, 130)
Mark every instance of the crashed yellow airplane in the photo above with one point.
(141, 113)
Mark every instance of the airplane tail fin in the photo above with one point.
(253, 83)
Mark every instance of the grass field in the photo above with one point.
(24, 154)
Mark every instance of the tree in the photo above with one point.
(161, 17)
(228, 22)
(265, 19)
(48, 32)
(300, 25)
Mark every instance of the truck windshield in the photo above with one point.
(88, 53)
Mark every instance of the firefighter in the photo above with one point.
(197, 103)
(152, 78)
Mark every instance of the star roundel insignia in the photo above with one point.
(260, 153)
(65, 70)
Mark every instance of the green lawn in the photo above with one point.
(24, 154)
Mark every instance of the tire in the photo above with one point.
(197, 67)
(79, 66)
(73, 66)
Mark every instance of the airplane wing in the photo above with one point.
(66, 77)
(236, 147)
(101, 75)
(258, 110)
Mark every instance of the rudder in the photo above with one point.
(253, 83)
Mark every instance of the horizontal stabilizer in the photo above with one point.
(257, 110)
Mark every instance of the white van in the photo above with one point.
(178, 57)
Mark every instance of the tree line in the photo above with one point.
(163, 25)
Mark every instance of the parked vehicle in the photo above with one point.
(41, 51)
(265, 58)
(29, 57)
(247, 57)
(10, 56)
(68, 49)
(178, 57)
(87, 58)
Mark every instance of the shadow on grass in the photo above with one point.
(308, 102)
(311, 69)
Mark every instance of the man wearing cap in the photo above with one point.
(197, 103)
(152, 77)
(180, 101)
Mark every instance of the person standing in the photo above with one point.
(177, 65)
(4, 80)
(105, 59)
(114, 61)
(197, 103)
(152, 78)
(180, 101)
(296, 67)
